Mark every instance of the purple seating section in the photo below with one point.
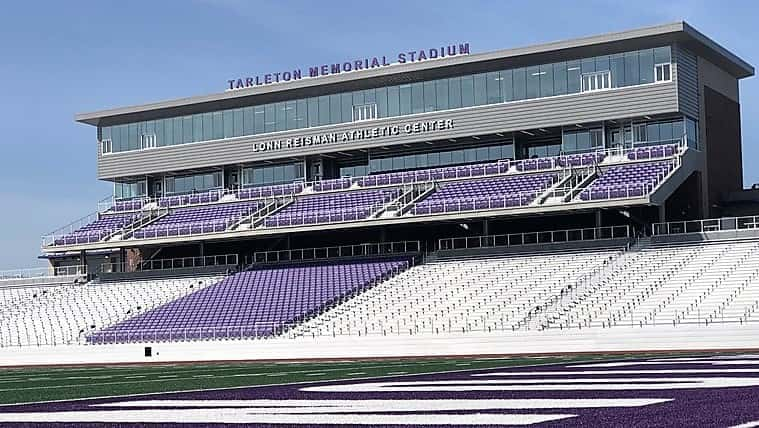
(332, 207)
(196, 220)
(653, 152)
(97, 230)
(256, 303)
(627, 181)
(502, 191)
(130, 205)
(493, 193)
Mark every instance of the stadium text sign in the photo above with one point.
(353, 135)
(347, 66)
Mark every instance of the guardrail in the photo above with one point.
(705, 225)
(171, 264)
(530, 238)
(42, 272)
(322, 253)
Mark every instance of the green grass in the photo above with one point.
(25, 385)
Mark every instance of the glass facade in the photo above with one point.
(546, 80)
(136, 189)
(581, 140)
(267, 175)
(193, 183)
(443, 158)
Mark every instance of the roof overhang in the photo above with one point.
(678, 32)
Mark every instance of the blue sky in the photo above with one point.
(61, 58)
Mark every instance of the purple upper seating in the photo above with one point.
(249, 304)
(653, 152)
(580, 159)
(500, 192)
(332, 207)
(269, 191)
(131, 205)
(97, 230)
(196, 220)
(627, 181)
(336, 184)
(434, 174)
(194, 199)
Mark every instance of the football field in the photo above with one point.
(608, 390)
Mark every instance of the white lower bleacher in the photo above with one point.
(63, 314)
(459, 296)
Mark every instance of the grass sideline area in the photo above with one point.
(29, 385)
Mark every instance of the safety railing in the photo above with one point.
(172, 264)
(337, 215)
(705, 225)
(531, 238)
(250, 331)
(324, 253)
(513, 200)
(42, 272)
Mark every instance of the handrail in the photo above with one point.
(322, 253)
(530, 238)
(705, 225)
(171, 264)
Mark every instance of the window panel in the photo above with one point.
(546, 80)
(617, 67)
(560, 78)
(301, 114)
(335, 111)
(313, 112)
(248, 120)
(346, 106)
(281, 116)
(662, 55)
(324, 110)
(229, 122)
(417, 98)
(290, 112)
(494, 88)
(454, 92)
(197, 127)
(430, 96)
(480, 89)
(441, 89)
(405, 100)
(237, 129)
(467, 91)
(507, 85)
(187, 129)
(632, 69)
(270, 117)
(533, 82)
(393, 101)
(646, 60)
(381, 100)
(573, 77)
(259, 116)
(520, 84)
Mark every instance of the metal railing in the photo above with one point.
(705, 225)
(252, 331)
(323, 253)
(171, 264)
(530, 238)
(307, 218)
(42, 272)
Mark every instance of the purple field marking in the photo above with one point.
(702, 407)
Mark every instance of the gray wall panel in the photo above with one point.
(686, 74)
(530, 114)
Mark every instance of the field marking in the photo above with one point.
(752, 424)
(609, 372)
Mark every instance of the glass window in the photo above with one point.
(662, 55)
(248, 121)
(433, 159)
(324, 110)
(441, 94)
(358, 98)
(507, 85)
(520, 84)
(417, 98)
(393, 101)
(375, 165)
(301, 114)
(446, 158)
(313, 112)
(430, 96)
(237, 127)
(546, 80)
(481, 154)
(335, 111)
(617, 67)
(467, 91)
(387, 164)
(652, 132)
(347, 107)
(570, 142)
(533, 82)
(677, 129)
(665, 132)
(494, 88)
(632, 69)
(270, 117)
(646, 60)
(583, 140)
(573, 77)
(480, 89)
(507, 151)
(691, 131)
(281, 116)
(398, 163)
(559, 78)
(260, 118)
(454, 92)
(290, 112)
(370, 96)
(405, 99)
(381, 99)
(134, 138)
(421, 160)
(588, 65)
(457, 156)
(409, 161)
(228, 123)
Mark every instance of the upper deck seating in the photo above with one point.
(269, 191)
(627, 181)
(500, 192)
(252, 304)
(195, 220)
(332, 207)
(104, 226)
